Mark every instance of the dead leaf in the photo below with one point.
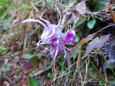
(81, 7)
(85, 40)
(96, 43)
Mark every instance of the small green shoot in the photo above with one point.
(80, 22)
(49, 75)
(25, 6)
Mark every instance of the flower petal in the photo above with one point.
(56, 53)
(35, 20)
(70, 37)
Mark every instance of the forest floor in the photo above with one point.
(85, 56)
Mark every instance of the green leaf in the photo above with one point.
(1, 12)
(25, 6)
(27, 56)
(99, 4)
(33, 82)
(49, 75)
(77, 38)
(80, 22)
(91, 23)
(5, 3)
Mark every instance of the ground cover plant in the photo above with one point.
(57, 43)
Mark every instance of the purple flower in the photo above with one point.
(50, 30)
(53, 36)
(56, 48)
(70, 37)
(27, 66)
